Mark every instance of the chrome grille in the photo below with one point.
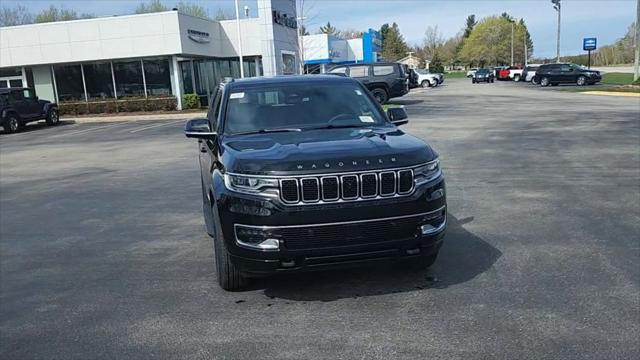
(348, 187)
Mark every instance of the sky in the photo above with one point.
(607, 20)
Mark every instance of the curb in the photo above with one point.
(612, 93)
(132, 118)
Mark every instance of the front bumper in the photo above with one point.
(313, 236)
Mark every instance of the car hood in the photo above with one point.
(323, 151)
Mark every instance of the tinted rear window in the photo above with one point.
(381, 70)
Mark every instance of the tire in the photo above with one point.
(473, 81)
(492, 81)
(581, 81)
(380, 95)
(12, 124)
(52, 117)
(516, 78)
(229, 277)
(544, 82)
(424, 84)
(533, 81)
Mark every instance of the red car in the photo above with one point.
(504, 74)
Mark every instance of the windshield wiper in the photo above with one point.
(264, 131)
(331, 126)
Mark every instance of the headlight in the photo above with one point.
(427, 172)
(248, 184)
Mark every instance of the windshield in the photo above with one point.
(482, 71)
(422, 71)
(294, 106)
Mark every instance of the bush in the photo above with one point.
(121, 105)
(190, 101)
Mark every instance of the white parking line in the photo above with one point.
(93, 128)
(155, 126)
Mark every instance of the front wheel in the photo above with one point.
(12, 125)
(581, 81)
(52, 117)
(424, 84)
(544, 82)
(229, 277)
(380, 95)
(533, 81)
(516, 78)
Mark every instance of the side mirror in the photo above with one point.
(398, 116)
(199, 129)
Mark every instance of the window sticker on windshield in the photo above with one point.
(358, 92)
(238, 95)
(366, 119)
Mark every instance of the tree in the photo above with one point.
(470, 24)
(436, 64)
(328, 29)
(490, 42)
(193, 9)
(18, 15)
(384, 29)
(303, 30)
(54, 14)
(432, 41)
(151, 6)
(393, 46)
(221, 15)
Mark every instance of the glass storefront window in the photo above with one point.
(187, 79)
(69, 82)
(6, 72)
(128, 78)
(98, 80)
(158, 77)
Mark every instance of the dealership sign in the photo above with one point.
(589, 44)
(198, 36)
(284, 20)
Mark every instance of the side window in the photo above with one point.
(565, 68)
(338, 70)
(16, 96)
(28, 94)
(359, 71)
(214, 109)
(381, 70)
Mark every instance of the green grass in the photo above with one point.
(601, 88)
(617, 78)
(455, 74)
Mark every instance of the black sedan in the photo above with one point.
(483, 75)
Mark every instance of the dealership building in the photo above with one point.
(165, 54)
(321, 51)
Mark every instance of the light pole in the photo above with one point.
(512, 43)
(636, 62)
(239, 40)
(556, 6)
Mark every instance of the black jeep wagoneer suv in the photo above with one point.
(301, 172)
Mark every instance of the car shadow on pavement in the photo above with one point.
(37, 126)
(462, 257)
(404, 102)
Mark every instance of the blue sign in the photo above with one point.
(589, 44)
(371, 46)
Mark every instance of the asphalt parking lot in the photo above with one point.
(104, 254)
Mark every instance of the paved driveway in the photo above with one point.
(104, 255)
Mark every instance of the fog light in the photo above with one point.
(256, 238)
(428, 229)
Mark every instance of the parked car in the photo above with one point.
(427, 79)
(303, 172)
(471, 72)
(19, 106)
(515, 73)
(384, 80)
(509, 73)
(554, 74)
(483, 75)
(497, 69)
(529, 72)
